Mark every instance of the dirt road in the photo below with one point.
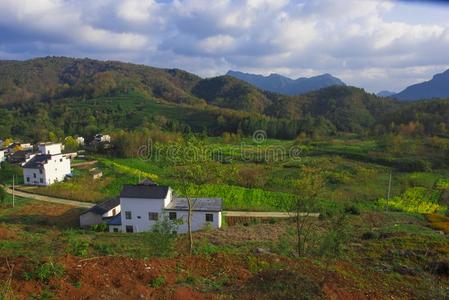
(49, 199)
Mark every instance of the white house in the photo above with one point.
(100, 213)
(48, 167)
(102, 138)
(80, 140)
(2, 155)
(144, 204)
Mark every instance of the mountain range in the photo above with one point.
(283, 85)
(54, 87)
(437, 87)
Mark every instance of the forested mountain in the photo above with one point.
(84, 96)
(385, 94)
(60, 77)
(283, 85)
(437, 87)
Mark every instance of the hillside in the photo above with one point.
(280, 84)
(437, 87)
(60, 77)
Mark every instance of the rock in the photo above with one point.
(260, 250)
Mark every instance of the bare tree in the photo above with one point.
(304, 206)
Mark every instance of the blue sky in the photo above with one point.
(373, 44)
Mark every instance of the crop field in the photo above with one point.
(265, 184)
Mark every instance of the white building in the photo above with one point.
(100, 213)
(48, 167)
(102, 138)
(80, 140)
(2, 155)
(144, 204)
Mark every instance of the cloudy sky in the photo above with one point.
(373, 44)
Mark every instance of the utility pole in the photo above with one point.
(13, 190)
(389, 190)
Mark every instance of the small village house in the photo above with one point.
(142, 205)
(102, 138)
(20, 157)
(48, 167)
(100, 213)
(2, 155)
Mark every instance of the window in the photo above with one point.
(34, 175)
(128, 215)
(40, 171)
(138, 217)
(172, 215)
(115, 229)
(129, 228)
(28, 179)
(60, 160)
(114, 212)
(41, 180)
(209, 217)
(153, 216)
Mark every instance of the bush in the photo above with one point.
(102, 227)
(157, 282)
(352, 209)
(45, 272)
(369, 235)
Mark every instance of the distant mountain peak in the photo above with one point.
(437, 87)
(284, 85)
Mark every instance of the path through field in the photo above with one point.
(250, 214)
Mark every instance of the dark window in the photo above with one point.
(28, 179)
(129, 228)
(138, 217)
(114, 212)
(41, 180)
(40, 171)
(34, 175)
(172, 215)
(153, 216)
(209, 217)
(60, 160)
(128, 215)
(115, 229)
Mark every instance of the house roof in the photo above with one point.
(144, 191)
(37, 162)
(104, 207)
(199, 204)
(115, 220)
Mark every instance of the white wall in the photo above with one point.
(112, 227)
(50, 148)
(139, 209)
(110, 213)
(2, 155)
(55, 170)
(198, 220)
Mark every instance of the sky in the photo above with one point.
(373, 44)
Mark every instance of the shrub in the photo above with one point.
(157, 282)
(369, 235)
(352, 209)
(45, 272)
(417, 200)
(102, 227)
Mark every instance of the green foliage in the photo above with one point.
(416, 200)
(157, 282)
(46, 271)
(102, 227)
(2, 195)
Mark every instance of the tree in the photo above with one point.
(308, 187)
(193, 174)
(2, 195)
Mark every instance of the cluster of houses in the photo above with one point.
(45, 163)
(139, 207)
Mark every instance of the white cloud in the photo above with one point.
(366, 42)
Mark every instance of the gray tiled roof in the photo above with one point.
(37, 162)
(199, 204)
(115, 220)
(105, 206)
(144, 191)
